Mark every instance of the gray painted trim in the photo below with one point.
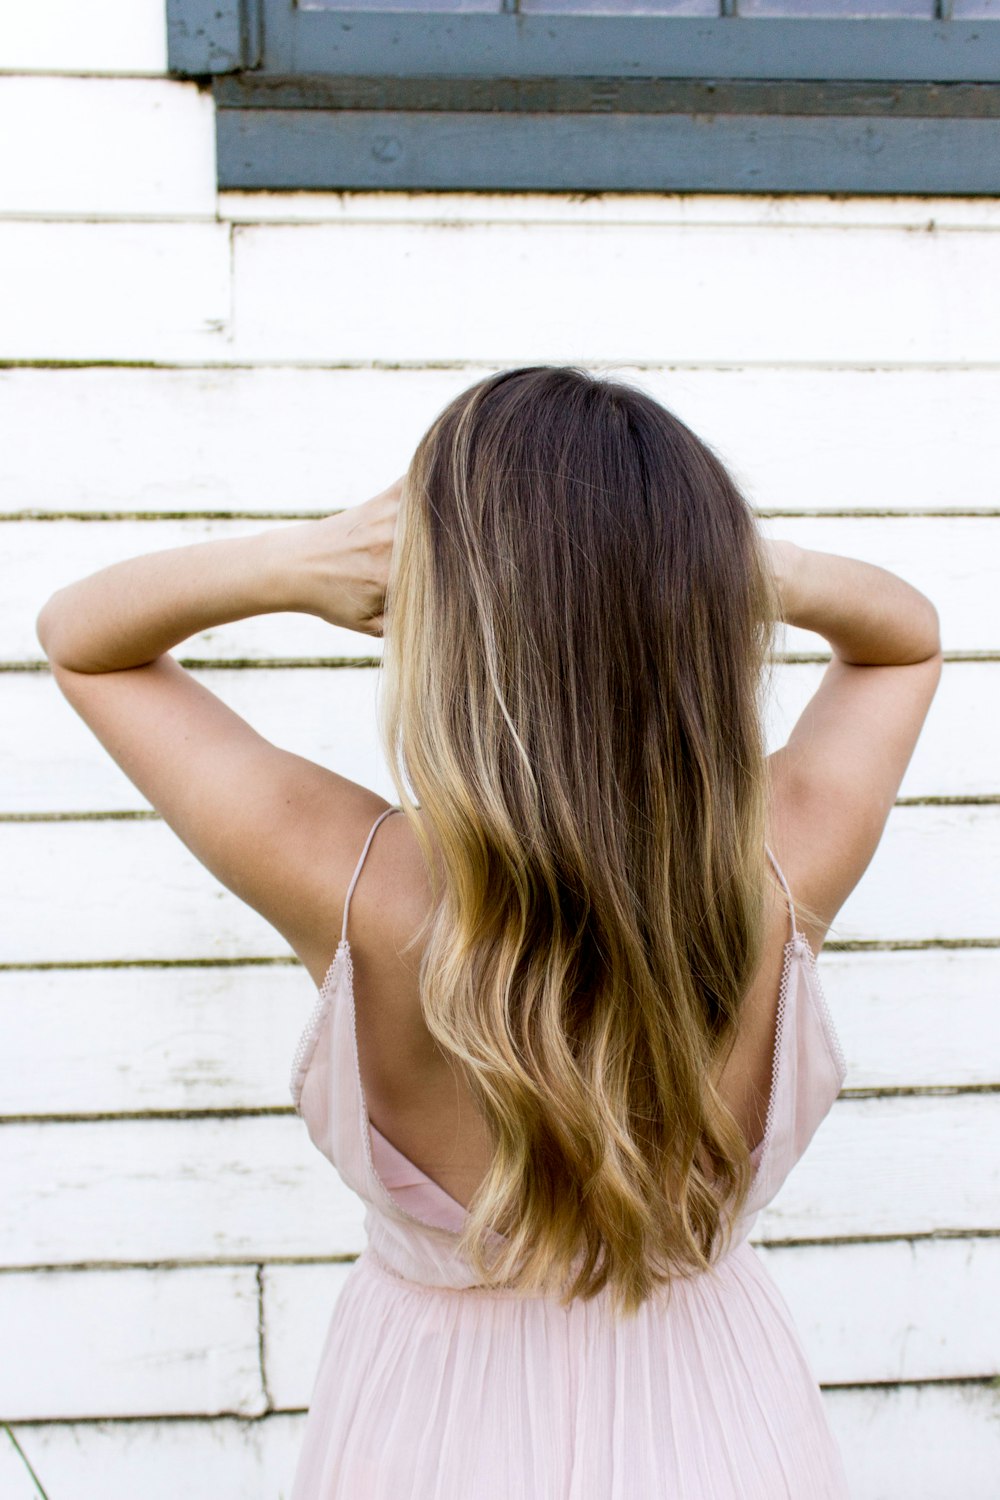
(470, 44)
(651, 96)
(356, 99)
(212, 36)
(363, 149)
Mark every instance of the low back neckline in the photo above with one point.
(793, 948)
(379, 1150)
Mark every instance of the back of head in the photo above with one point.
(578, 616)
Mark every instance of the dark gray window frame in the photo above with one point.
(311, 99)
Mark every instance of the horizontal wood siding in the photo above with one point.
(162, 166)
(105, 37)
(177, 367)
(800, 438)
(290, 293)
(178, 1037)
(236, 1187)
(131, 1343)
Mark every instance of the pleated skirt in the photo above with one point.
(443, 1394)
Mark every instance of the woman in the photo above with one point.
(575, 1039)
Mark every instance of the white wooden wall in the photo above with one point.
(179, 366)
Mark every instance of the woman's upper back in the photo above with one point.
(382, 1103)
(414, 1098)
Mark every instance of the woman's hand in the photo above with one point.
(783, 559)
(346, 559)
(128, 614)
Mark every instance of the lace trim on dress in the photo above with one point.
(779, 1028)
(801, 945)
(306, 1048)
(825, 1013)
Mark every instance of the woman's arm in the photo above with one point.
(835, 782)
(128, 614)
(277, 829)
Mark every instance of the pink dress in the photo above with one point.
(429, 1389)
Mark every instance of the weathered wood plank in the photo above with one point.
(106, 36)
(106, 891)
(304, 438)
(924, 1442)
(732, 210)
(138, 148)
(853, 1304)
(297, 1304)
(176, 1190)
(254, 1188)
(918, 1019)
(115, 291)
(112, 892)
(295, 294)
(104, 1041)
(894, 1166)
(956, 561)
(50, 762)
(203, 1460)
(121, 1040)
(900, 1310)
(293, 299)
(130, 1343)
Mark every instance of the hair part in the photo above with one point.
(578, 618)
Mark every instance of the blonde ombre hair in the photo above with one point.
(579, 619)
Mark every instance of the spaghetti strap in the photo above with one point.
(357, 869)
(784, 882)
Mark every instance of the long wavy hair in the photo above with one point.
(579, 622)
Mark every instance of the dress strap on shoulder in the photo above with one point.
(784, 883)
(357, 869)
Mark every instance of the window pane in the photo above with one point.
(923, 9)
(493, 6)
(622, 7)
